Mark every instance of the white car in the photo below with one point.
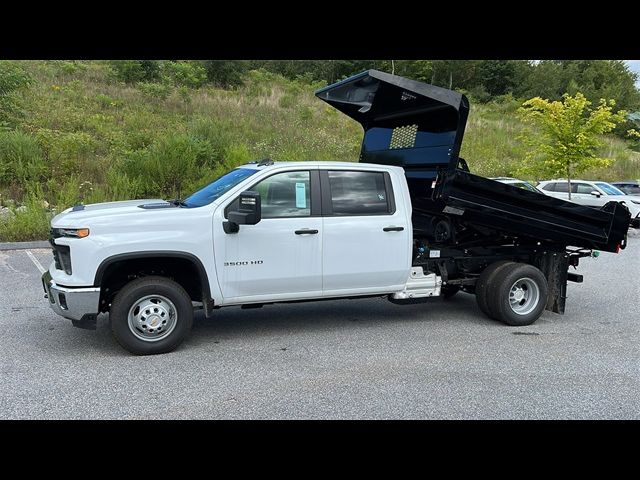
(592, 194)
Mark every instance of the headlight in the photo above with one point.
(71, 232)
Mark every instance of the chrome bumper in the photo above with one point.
(72, 303)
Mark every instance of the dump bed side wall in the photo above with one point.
(524, 213)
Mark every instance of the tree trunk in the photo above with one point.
(569, 181)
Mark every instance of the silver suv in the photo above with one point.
(592, 194)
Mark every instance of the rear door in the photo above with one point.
(367, 238)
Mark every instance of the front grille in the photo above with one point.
(61, 253)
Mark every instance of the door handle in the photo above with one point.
(306, 231)
(393, 229)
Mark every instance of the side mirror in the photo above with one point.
(596, 193)
(249, 212)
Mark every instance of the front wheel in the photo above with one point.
(151, 315)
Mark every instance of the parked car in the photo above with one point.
(593, 194)
(516, 183)
(630, 187)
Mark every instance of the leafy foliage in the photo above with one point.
(132, 71)
(21, 159)
(13, 78)
(185, 74)
(568, 134)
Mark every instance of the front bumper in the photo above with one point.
(77, 304)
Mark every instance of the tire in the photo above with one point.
(151, 315)
(486, 277)
(517, 294)
(448, 291)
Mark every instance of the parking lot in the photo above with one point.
(348, 359)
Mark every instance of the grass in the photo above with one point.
(85, 137)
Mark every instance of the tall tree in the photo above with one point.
(566, 135)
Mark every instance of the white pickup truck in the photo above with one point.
(271, 232)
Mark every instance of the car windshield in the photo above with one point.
(609, 189)
(526, 186)
(211, 192)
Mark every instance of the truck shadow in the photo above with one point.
(330, 315)
(282, 319)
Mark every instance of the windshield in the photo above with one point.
(609, 189)
(526, 186)
(211, 192)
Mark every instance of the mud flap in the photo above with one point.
(555, 266)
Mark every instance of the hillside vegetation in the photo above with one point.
(77, 132)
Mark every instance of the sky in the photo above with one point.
(635, 66)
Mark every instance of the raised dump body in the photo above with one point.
(421, 127)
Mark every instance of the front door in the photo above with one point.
(281, 256)
(583, 195)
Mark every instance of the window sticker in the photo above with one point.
(301, 195)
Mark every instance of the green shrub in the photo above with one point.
(21, 159)
(69, 68)
(29, 223)
(216, 132)
(226, 73)
(70, 153)
(185, 74)
(12, 79)
(64, 193)
(168, 164)
(236, 155)
(132, 71)
(119, 186)
(155, 90)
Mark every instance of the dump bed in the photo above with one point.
(420, 127)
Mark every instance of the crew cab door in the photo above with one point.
(367, 232)
(281, 256)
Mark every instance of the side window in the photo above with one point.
(562, 187)
(583, 188)
(359, 193)
(550, 187)
(285, 195)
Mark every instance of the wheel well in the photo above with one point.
(186, 270)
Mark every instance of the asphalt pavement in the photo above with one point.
(345, 359)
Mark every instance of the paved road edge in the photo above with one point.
(24, 245)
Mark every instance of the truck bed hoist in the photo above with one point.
(409, 222)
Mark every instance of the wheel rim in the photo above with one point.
(524, 296)
(152, 318)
